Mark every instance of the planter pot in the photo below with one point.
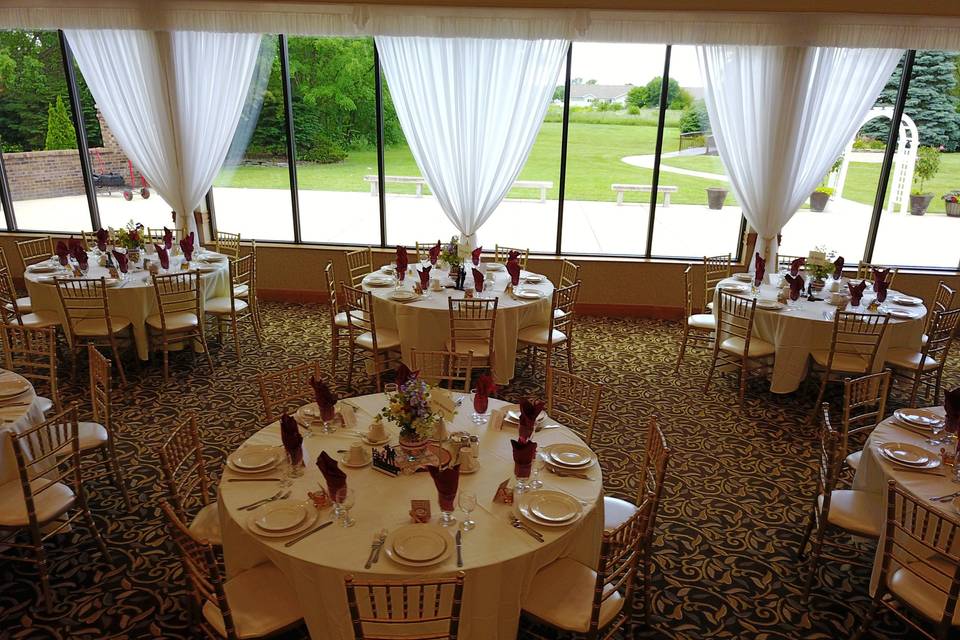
(817, 285)
(819, 200)
(919, 204)
(953, 209)
(715, 197)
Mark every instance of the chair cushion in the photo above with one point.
(45, 404)
(49, 504)
(221, 306)
(98, 326)
(559, 313)
(616, 512)
(541, 335)
(562, 595)
(702, 321)
(924, 339)
(853, 460)
(856, 511)
(841, 361)
(206, 525)
(341, 320)
(910, 359)
(175, 321)
(40, 319)
(918, 593)
(386, 339)
(241, 291)
(480, 349)
(261, 603)
(758, 348)
(91, 435)
(24, 305)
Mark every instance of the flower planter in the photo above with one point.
(819, 200)
(953, 209)
(716, 197)
(919, 203)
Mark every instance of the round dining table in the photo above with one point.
(132, 296)
(804, 326)
(499, 560)
(424, 323)
(19, 411)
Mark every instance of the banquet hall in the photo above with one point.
(480, 320)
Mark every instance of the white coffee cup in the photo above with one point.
(835, 285)
(435, 284)
(376, 432)
(467, 460)
(356, 455)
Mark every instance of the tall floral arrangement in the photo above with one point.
(130, 237)
(410, 409)
(451, 253)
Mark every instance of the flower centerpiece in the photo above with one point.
(819, 265)
(131, 238)
(952, 204)
(411, 410)
(455, 254)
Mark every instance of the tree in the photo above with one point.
(637, 97)
(591, 81)
(558, 92)
(648, 96)
(695, 118)
(31, 78)
(60, 131)
(928, 165)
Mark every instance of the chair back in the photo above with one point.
(384, 609)
(9, 309)
(857, 335)
(735, 316)
(32, 353)
(330, 278)
(564, 304)
(569, 273)
(156, 235)
(359, 264)
(100, 385)
(202, 571)
(865, 272)
(283, 390)
(501, 253)
(241, 275)
(178, 293)
(228, 244)
(84, 299)
(942, 301)
(423, 250)
(687, 293)
(784, 261)
(184, 468)
(943, 328)
(472, 320)
(864, 405)
(829, 458)
(715, 269)
(447, 369)
(656, 458)
(358, 305)
(35, 250)
(573, 401)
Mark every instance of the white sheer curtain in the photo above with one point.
(781, 116)
(470, 109)
(172, 101)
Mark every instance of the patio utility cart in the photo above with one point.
(110, 181)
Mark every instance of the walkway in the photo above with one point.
(646, 162)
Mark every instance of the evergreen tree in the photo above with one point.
(60, 131)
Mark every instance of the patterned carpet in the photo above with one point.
(733, 509)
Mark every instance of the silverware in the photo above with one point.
(568, 474)
(279, 495)
(290, 543)
(949, 496)
(253, 479)
(533, 533)
(375, 548)
(459, 539)
(383, 538)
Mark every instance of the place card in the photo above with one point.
(347, 416)
(420, 511)
(185, 265)
(113, 272)
(504, 493)
(320, 499)
(443, 403)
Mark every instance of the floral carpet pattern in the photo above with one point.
(736, 498)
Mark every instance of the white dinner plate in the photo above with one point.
(734, 288)
(571, 456)
(554, 507)
(906, 453)
(388, 269)
(46, 279)
(918, 417)
(13, 388)
(207, 268)
(903, 314)
(909, 301)
(388, 547)
(527, 294)
(744, 277)
(282, 515)
(253, 458)
(933, 463)
(913, 428)
(534, 278)
(111, 282)
(306, 523)
(771, 305)
(211, 258)
(43, 268)
(402, 295)
(495, 266)
(378, 281)
(420, 544)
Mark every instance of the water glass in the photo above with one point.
(536, 482)
(468, 502)
(345, 499)
(936, 429)
(481, 408)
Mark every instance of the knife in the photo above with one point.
(459, 549)
(290, 543)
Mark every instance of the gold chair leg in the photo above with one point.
(116, 358)
(683, 348)
(334, 349)
(256, 329)
(816, 405)
(236, 335)
(118, 478)
(40, 555)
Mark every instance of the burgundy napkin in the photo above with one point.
(513, 254)
(336, 479)
(838, 268)
(167, 239)
(523, 454)
(403, 375)
(485, 388)
(186, 245)
(796, 285)
(880, 275)
(529, 410)
(760, 266)
(80, 255)
(796, 264)
(478, 279)
(880, 288)
(402, 262)
(856, 292)
(435, 253)
(513, 267)
(447, 481)
(326, 399)
(291, 438)
(73, 245)
(476, 255)
(121, 259)
(102, 236)
(163, 256)
(63, 253)
(424, 274)
(951, 403)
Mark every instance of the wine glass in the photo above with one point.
(936, 429)
(468, 502)
(536, 482)
(481, 409)
(345, 499)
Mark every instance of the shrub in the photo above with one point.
(928, 165)
(633, 110)
(324, 151)
(695, 118)
(60, 131)
(826, 190)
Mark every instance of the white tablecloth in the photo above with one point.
(425, 324)
(134, 299)
(795, 332)
(16, 419)
(499, 561)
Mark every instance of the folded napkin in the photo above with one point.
(477, 280)
(122, 261)
(326, 399)
(186, 245)
(292, 440)
(523, 455)
(796, 264)
(403, 375)
(529, 410)
(856, 292)
(163, 256)
(475, 254)
(838, 268)
(335, 478)
(513, 254)
(102, 236)
(167, 239)
(880, 275)
(424, 274)
(447, 481)
(402, 262)
(513, 267)
(73, 244)
(63, 252)
(796, 285)
(880, 288)
(435, 253)
(951, 404)
(760, 266)
(80, 255)
(484, 388)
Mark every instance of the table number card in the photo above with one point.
(185, 265)
(420, 511)
(504, 493)
(113, 272)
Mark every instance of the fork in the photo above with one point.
(568, 474)
(375, 548)
(280, 495)
(949, 496)
(533, 533)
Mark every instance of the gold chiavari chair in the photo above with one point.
(50, 487)
(784, 261)
(32, 353)
(472, 326)
(698, 328)
(441, 368)
(179, 319)
(188, 483)
(415, 609)
(572, 597)
(500, 254)
(857, 513)
(285, 390)
(557, 334)
(735, 344)
(864, 406)
(359, 264)
(573, 401)
(942, 301)
(715, 269)
(98, 437)
(650, 479)
(23, 303)
(87, 311)
(865, 272)
(366, 339)
(12, 312)
(569, 273)
(255, 603)
(853, 349)
(423, 250)
(156, 235)
(248, 291)
(920, 566)
(227, 244)
(339, 325)
(35, 250)
(924, 368)
(233, 308)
